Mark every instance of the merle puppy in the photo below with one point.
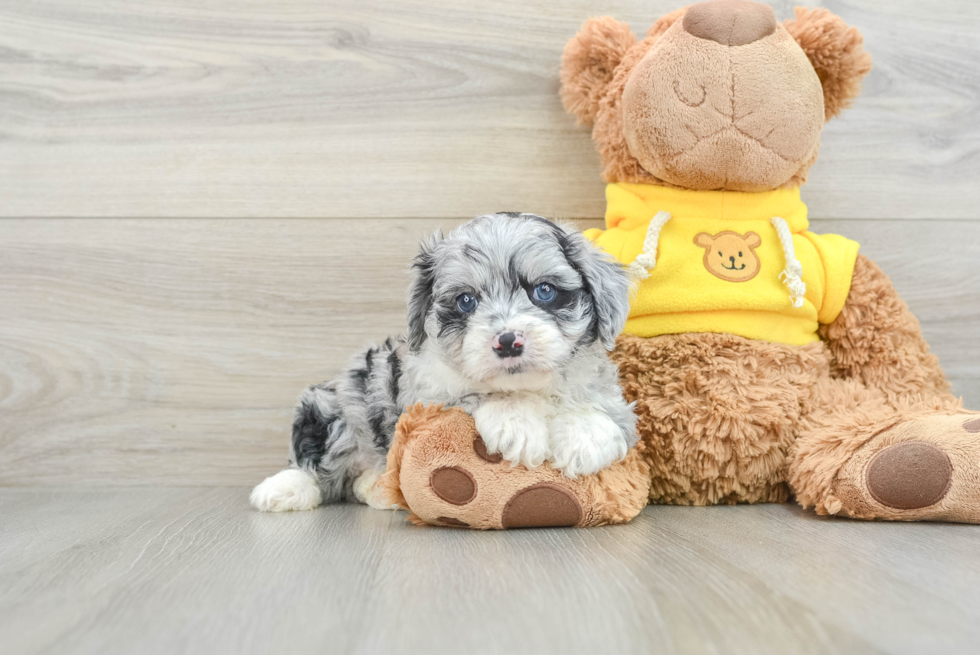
(508, 318)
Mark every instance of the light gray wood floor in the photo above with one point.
(194, 570)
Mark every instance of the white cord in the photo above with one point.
(647, 259)
(792, 275)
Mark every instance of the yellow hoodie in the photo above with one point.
(724, 261)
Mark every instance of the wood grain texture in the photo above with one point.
(195, 570)
(171, 351)
(413, 108)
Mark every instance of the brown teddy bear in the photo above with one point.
(765, 360)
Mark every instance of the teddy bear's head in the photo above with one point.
(719, 95)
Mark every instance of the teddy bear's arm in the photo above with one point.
(876, 339)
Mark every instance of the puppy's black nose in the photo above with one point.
(508, 344)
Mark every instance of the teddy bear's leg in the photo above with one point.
(878, 341)
(885, 438)
(718, 414)
(862, 456)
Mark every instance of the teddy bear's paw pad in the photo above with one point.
(453, 484)
(450, 522)
(481, 451)
(910, 475)
(972, 426)
(543, 505)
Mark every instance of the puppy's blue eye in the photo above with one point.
(544, 293)
(466, 303)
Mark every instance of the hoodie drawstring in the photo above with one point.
(647, 259)
(793, 273)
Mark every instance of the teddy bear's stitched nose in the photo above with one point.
(730, 22)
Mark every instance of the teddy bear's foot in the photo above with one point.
(925, 468)
(368, 491)
(440, 470)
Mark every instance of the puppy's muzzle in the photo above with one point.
(508, 344)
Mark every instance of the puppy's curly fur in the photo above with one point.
(509, 318)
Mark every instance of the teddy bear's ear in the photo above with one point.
(836, 52)
(588, 64)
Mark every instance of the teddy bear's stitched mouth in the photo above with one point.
(733, 268)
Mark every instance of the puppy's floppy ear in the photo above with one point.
(605, 280)
(420, 291)
(588, 64)
(836, 52)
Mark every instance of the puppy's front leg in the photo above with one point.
(516, 426)
(585, 439)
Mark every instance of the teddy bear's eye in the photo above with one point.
(739, 253)
(719, 254)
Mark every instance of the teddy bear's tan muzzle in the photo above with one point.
(730, 22)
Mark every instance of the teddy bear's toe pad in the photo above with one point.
(543, 505)
(909, 475)
(480, 448)
(453, 484)
(451, 522)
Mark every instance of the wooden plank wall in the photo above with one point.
(205, 206)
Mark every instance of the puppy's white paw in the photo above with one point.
(518, 430)
(369, 493)
(291, 489)
(583, 443)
